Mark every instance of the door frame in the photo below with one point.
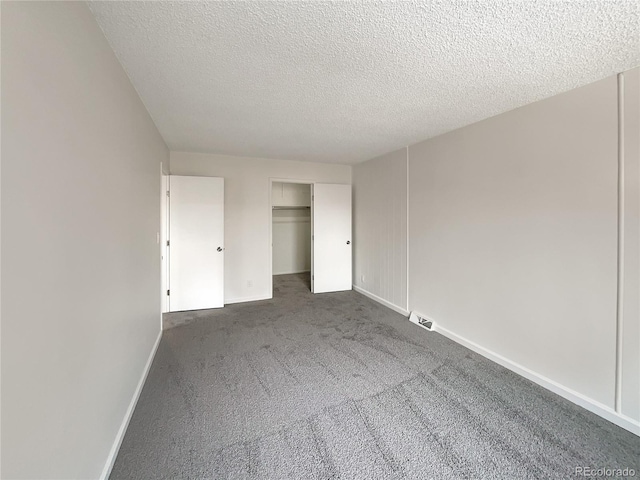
(273, 180)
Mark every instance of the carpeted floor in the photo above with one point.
(337, 386)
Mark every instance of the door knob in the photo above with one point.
(348, 242)
(219, 249)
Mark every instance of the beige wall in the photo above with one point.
(247, 220)
(513, 236)
(80, 263)
(380, 227)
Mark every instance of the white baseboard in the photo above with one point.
(106, 471)
(248, 299)
(593, 406)
(384, 302)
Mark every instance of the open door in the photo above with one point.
(164, 236)
(331, 238)
(196, 242)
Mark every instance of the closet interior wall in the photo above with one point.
(291, 219)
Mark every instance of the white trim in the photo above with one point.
(248, 299)
(407, 232)
(106, 471)
(598, 408)
(382, 301)
(620, 250)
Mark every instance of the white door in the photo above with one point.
(331, 238)
(196, 243)
(164, 236)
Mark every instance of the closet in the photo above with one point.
(291, 228)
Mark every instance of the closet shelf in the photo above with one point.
(279, 207)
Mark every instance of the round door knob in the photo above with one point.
(348, 242)
(219, 249)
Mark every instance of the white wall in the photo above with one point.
(81, 266)
(380, 227)
(248, 212)
(290, 194)
(514, 244)
(291, 229)
(291, 242)
(513, 239)
(630, 387)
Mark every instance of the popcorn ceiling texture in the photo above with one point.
(343, 82)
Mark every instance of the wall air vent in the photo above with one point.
(422, 321)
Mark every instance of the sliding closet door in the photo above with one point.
(331, 238)
(196, 235)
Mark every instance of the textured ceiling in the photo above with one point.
(343, 82)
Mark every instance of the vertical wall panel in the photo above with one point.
(513, 236)
(380, 227)
(631, 301)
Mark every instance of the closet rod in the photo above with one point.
(289, 208)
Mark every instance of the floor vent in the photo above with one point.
(421, 321)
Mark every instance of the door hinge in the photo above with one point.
(311, 277)
(167, 193)
(312, 237)
(167, 243)
(168, 292)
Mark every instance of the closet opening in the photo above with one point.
(291, 237)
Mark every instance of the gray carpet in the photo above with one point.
(337, 386)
